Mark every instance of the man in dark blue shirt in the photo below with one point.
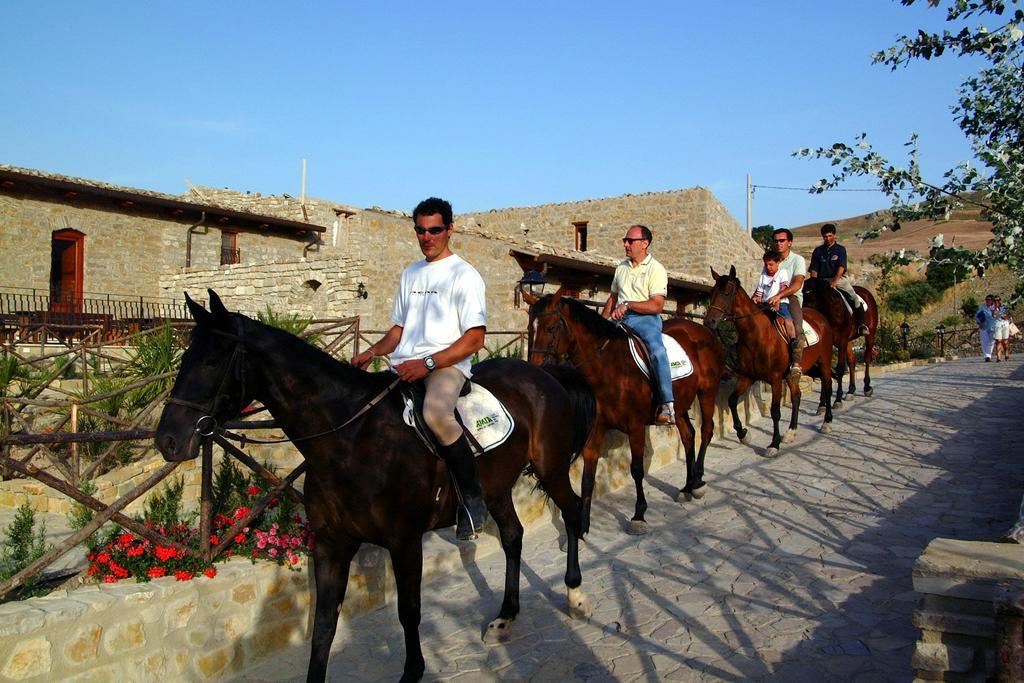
(829, 263)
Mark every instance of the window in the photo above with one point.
(229, 253)
(581, 235)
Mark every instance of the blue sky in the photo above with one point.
(487, 104)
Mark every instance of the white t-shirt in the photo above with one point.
(436, 304)
(770, 285)
(795, 265)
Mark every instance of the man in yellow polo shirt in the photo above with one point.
(637, 299)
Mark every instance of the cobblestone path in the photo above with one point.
(797, 568)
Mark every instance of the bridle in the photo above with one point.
(550, 351)
(730, 294)
(207, 425)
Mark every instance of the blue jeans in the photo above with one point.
(648, 328)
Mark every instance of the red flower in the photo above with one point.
(240, 538)
(213, 539)
(109, 578)
(253, 490)
(134, 551)
(164, 553)
(182, 575)
(211, 572)
(103, 558)
(124, 540)
(241, 512)
(157, 572)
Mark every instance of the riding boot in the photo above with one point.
(858, 317)
(472, 513)
(796, 353)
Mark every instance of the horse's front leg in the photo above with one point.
(591, 454)
(795, 395)
(869, 349)
(511, 532)
(407, 561)
(637, 446)
(707, 401)
(687, 436)
(851, 366)
(773, 447)
(742, 385)
(840, 372)
(330, 576)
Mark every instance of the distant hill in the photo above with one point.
(965, 227)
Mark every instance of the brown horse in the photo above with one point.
(763, 354)
(828, 301)
(370, 479)
(598, 349)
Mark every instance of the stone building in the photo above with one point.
(327, 259)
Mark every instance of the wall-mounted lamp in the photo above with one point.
(361, 291)
(532, 284)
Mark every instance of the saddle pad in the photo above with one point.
(809, 332)
(847, 302)
(483, 417)
(678, 362)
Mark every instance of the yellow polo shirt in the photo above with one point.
(647, 279)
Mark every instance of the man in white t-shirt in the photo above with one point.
(794, 264)
(440, 317)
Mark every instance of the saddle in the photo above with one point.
(484, 419)
(810, 334)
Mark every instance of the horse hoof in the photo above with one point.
(637, 527)
(684, 496)
(699, 491)
(744, 437)
(821, 410)
(498, 631)
(579, 604)
(789, 437)
(836, 406)
(868, 392)
(826, 428)
(771, 452)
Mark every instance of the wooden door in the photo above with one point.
(67, 261)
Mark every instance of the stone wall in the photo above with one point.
(124, 253)
(960, 582)
(692, 230)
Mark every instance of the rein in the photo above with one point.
(549, 352)
(207, 425)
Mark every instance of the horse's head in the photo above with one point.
(210, 387)
(548, 337)
(723, 298)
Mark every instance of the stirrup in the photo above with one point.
(471, 516)
(794, 372)
(666, 415)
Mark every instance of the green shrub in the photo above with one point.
(952, 321)
(911, 297)
(163, 507)
(23, 545)
(80, 515)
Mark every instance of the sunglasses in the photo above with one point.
(630, 240)
(781, 241)
(432, 231)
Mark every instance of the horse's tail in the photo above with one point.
(581, 398)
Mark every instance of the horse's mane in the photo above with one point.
(593, 321)
(302, 352)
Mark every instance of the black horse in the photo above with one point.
(371, 479)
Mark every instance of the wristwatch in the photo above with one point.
(429, 363)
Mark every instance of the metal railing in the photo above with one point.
(34, 316)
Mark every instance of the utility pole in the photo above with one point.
(750, 207)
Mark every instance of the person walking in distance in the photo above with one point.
(439, 322)
(639, 288)
(794, 264)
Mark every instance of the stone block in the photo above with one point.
(84, 645)
(179, 613)
(124, 637)
(28, 658)
(947, 622)
(17, 619)
(61, 609)
(213, 664)
(942, 657)
(244, 594)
